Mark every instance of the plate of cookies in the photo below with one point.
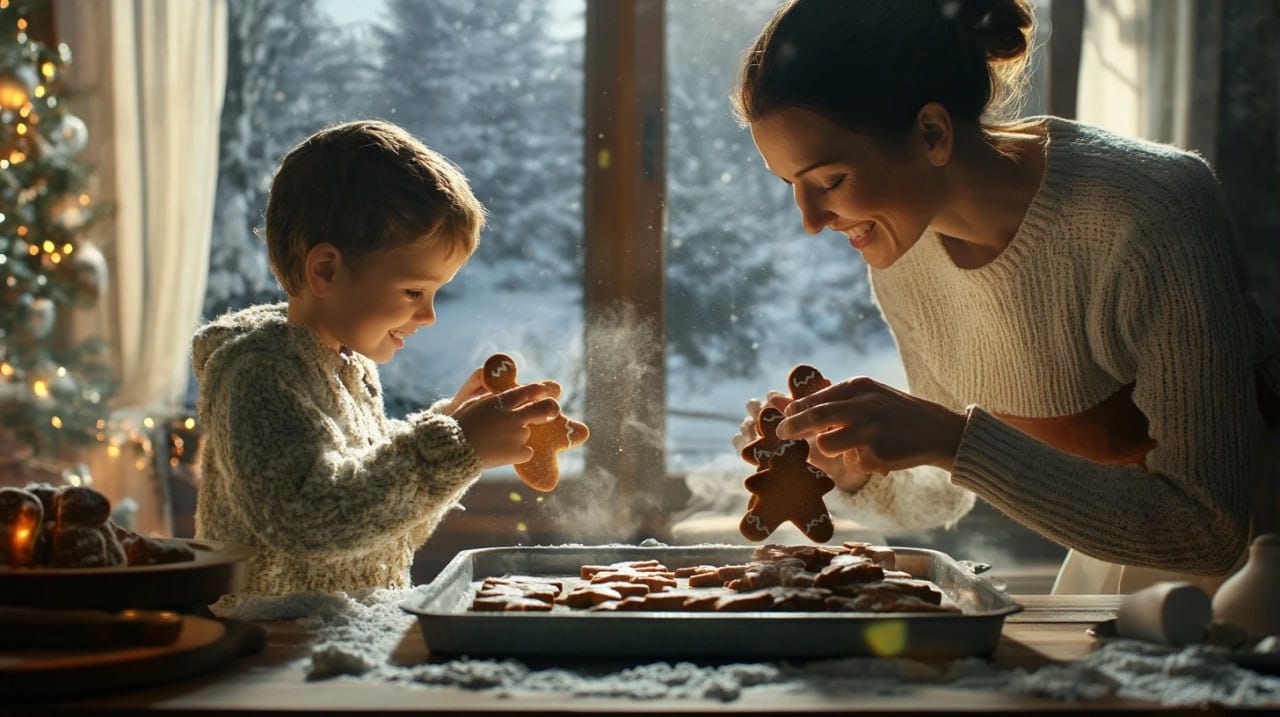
(59, 548)
(770, 601)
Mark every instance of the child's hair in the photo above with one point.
(364, 187)
(870, 65)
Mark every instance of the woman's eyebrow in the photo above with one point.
(811, 167)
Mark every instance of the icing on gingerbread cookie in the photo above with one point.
(758, 452)
(542, 472)
(789, 489)
(804, 380)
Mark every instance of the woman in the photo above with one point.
(1067, 302)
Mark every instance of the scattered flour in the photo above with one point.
(357, 632)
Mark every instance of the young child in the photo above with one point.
(364, 225)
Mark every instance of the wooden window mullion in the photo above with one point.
(624, 224)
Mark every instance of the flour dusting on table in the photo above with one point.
(357, 632)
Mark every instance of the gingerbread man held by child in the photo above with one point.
(542, 472)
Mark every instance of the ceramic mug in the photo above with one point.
(1174, 613)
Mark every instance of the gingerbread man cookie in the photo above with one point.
(790, 488)
(758, 452)
(542, 472)
(804, 380)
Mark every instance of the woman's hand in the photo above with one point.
(847, 477)
(874, 428)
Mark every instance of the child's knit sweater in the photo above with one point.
(301, 462)
(1122, 274)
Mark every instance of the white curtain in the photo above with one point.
(1150, 69)
(155, 72)
(148, 78)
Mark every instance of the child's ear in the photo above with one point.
(933, 125)
(322, 264)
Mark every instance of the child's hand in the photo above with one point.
(496, 425)
(472, 387)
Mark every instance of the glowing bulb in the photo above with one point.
(190, 423)
(40, 388)
(56, 422)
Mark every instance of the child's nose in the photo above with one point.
(426, 315)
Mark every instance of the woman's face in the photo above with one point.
(881, 197)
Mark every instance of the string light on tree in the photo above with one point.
(55, 385)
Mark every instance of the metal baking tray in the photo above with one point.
(450, 628)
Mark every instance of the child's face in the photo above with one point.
(375, 307)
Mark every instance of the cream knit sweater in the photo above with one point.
(1122, 272)
(301, 462)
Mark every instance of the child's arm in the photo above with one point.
(317, 472)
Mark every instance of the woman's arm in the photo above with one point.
(1171, 319)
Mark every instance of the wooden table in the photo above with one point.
(1050, 629)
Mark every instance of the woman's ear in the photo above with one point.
(933, 125)
(322, 264)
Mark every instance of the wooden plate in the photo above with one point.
(61, 674)
(219, 568)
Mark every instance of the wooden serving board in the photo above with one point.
(59, 674)
(218, 568)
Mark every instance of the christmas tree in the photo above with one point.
(54, 385)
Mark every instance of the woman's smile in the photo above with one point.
(860, 235)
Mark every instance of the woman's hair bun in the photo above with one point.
(1002, 27)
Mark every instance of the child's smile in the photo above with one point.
(376, 305)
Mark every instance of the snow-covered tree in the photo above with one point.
(737, 279)
(290, 71)
(490, 87)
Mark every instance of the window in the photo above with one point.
(444, 71)
(732, 292)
